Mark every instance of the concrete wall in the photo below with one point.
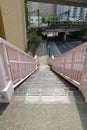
(13, 21)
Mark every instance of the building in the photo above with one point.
(34, 20)
(62, 12)
(32, 6)
(44, 8)
(71, 13)
(47, 9)
(78, 13)
(12, 22)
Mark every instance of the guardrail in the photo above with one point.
(15, 67)
(50, 23)
(73, 67)
(67, 24)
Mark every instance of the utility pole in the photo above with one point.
(68, 12)
(38, 18)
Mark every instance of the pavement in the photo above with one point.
(45, 101)
(42, 53)
(63, 47)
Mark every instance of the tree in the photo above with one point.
(34, 37)
(46, 19)
(43, 19)
(53, 18)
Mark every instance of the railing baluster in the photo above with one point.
(3, 78)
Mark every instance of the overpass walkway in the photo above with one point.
(45, 101)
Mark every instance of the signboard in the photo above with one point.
(52, 34)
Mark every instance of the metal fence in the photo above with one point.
(15, 66)
(73, 67)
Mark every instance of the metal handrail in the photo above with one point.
(15, 67)
(72, 65)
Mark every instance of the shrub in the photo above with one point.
(34, 37)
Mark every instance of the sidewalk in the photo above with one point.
(42, 53)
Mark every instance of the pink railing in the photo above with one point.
(15, 66)
(73, 67)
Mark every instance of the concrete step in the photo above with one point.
(74, 93)
(45, 87)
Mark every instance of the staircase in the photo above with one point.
(44, 86)
(45, 101)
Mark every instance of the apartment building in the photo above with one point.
(71, 13)
(61, 12)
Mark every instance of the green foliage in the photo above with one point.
(34, 37)
(34, 42)
(43, 19)
(40, 30)
(27, 50)
(31, 30)
(46, 19)
(25, 1)
(26, 14)
(55, 18)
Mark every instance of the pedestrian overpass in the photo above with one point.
(16, 66)
(39, 97)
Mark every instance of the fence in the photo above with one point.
(73, 67)
(15, 66)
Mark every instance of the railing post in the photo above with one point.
(3, 81)
(7, 62)
(37, 61)
(72, 64)
(25, 66)
(6, 90)
(64, 65)
(19, 64)
(52, 57)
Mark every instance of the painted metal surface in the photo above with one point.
(73, 67)
(15, 66)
